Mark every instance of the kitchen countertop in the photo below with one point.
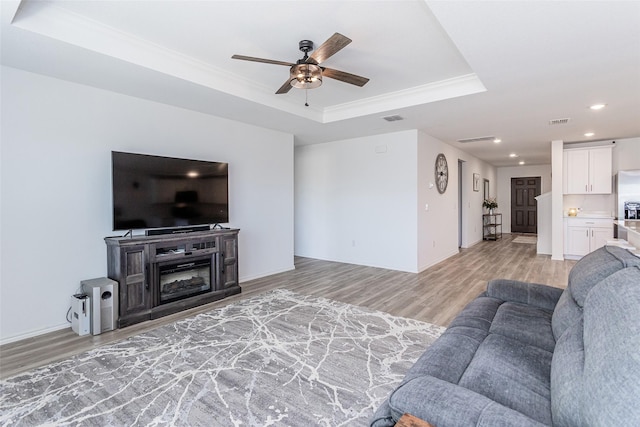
(633, 225)
(589, 217)
(590, 214)
(633, 232)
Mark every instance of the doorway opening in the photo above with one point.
(460, 203)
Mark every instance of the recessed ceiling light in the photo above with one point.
(513, 155)
(521, 162)
(598, 106)
(497, 140)
(589, 134)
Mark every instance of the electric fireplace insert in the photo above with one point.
(179, 280)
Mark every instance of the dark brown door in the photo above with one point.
(524, 206)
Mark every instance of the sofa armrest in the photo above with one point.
(535, 294)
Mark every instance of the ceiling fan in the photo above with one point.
(307, 73)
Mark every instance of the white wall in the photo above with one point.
(363, 201)
(626, 154)
(355, 201)
(438, 226)
(56, 188)
(504, 187)
(472, 209)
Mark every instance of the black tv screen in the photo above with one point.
(156, 192)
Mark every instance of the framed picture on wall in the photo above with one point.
(476, 182)
(485, 191)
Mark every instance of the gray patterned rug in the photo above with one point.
(277, 359)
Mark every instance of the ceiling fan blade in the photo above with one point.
(344, 76)
(330, 47)
(286, 87)
(266, 61)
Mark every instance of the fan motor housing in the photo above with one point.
(305, 45)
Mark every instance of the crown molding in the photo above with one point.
(54, 21)
(437, 91)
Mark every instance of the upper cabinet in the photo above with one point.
(587, 170)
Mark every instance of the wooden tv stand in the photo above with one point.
(137, 262)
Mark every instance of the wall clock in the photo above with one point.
(442, 173)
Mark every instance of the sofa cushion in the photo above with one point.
(596, 266)
(588, 272)
(524, 323)
(488, 330)
(533, 294)
(514, 374)
(446, 405)
(448, 357)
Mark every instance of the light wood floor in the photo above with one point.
(435, 295)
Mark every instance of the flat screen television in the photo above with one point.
(165, 192)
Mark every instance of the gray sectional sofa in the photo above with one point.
(525, 354)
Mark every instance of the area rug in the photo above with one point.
(276, 359)
(526, 239)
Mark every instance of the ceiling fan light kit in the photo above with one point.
(306, 76)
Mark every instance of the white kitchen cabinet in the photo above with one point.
(587, 170)
(585, 235)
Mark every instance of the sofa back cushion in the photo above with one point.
(595, 372)
(612, 351)
(588, 272)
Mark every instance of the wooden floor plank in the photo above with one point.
(435, 295)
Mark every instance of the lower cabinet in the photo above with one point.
(134, 278)
(228, 261)
(584, 235)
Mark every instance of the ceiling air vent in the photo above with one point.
(477, 139)
(559, 121)
(393, 118)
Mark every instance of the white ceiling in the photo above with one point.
(451, 68)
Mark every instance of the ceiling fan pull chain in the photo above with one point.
(306, 97)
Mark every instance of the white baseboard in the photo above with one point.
(269, 273)
(439, 260)
(34, 333)
(38, 332)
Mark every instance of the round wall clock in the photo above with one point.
(442, 173)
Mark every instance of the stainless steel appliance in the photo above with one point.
(627, 192)
(627, 189)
